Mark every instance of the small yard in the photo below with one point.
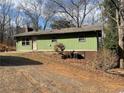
(47, 73)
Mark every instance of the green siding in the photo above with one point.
(45, 44)
(19, 46)
(70, 44)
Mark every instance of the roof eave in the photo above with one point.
(37, 34)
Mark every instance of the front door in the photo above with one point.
(34, 43)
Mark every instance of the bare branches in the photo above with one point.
(65, 10)
(115, 4)
(33, 10)
(5, 17)
(49, 10)
(76, 9)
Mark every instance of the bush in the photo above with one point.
(66, 55)
(105, 60)
(59, 48)
(111, 37)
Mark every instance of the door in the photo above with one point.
(34, 44)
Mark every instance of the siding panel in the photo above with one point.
(70, 44)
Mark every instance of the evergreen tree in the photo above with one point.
(111, 38)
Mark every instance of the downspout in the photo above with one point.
(97, 41)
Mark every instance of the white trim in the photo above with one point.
(53, 50)
(24, 50)
(68, 50)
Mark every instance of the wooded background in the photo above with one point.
(17, 16)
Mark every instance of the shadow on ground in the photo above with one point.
(17, 61)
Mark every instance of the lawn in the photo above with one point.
(47, 73)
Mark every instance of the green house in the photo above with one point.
(86, 38)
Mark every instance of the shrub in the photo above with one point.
(72, 54)
(59, 48)
(111, 36)
(66, 55)
(105, 60)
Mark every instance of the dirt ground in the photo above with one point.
(45, 73)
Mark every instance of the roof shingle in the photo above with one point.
(87, 28)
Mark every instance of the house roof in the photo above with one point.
(86, 28)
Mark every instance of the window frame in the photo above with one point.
(82, 38)
(25, 41)
(54, 40)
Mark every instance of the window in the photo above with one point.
(54, 40)
(82, 39)
(25, 41)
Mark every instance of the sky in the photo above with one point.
(42, 20)
(16, 2)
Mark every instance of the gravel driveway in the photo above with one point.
(36, 73)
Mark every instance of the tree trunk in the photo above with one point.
(45, 25)
(1, 37)
(121, 36)
(121, 46)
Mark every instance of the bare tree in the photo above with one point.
(21, 21)
(17, 20)
(5, 17)
(121, 31)
(119, 4)
(49, 10)
(32, 9)
(120, 25)
(77, 10)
